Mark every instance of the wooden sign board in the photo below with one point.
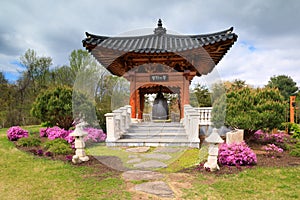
(159, 77)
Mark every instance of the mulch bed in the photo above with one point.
(282, 160)
(100, 171)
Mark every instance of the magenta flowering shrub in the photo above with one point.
(69, 157)
(272, 150)
(56, 132)
(236, 155)
(94, 135)
(264, 137)
(15, 132)
(43, 132)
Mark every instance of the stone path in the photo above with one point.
(158, 188)
(150, 164)
(150, 161)
(141, 175)
(155, 187)
(143, 161)
(113, 162)
(138, 149)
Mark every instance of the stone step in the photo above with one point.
(154, 142)
(157, 130)
(156, 125)
(155, 135)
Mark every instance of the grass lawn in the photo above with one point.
(259, 183)
(23, 176)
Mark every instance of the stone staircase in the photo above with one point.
(154, 134)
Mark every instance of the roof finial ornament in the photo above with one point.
(160, 30)
(159, 24)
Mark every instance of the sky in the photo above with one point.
(268, 30)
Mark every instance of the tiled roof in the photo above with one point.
(156, 43)
(198, 53)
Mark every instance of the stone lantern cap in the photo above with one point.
(79, 132)
(214, 137)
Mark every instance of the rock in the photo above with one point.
(167, 150)
(112, 162)
(235, 136)
(138, 149)
(158, 188)
(135, 160)
(141, 175)
(150, 164)
(157, 156)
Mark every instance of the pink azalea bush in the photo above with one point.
(236, 155)
(272, 150)
(265, 137)
(43, 132)
(56, 132)
(94, 135)
(15, 133)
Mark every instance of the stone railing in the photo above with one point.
(191, 123)
(193, 118)
(205, 116)
(117, 123)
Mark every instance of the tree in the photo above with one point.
(250, 109)
(54, 107)
(4, 99)
(238, 84)
(285, 85)
(200, 96)
(3, 80)
(34, 79)
(62, 76)
(36, 71)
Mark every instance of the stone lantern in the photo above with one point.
(214, 140)
(79, 134)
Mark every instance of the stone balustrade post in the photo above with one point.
(187, 108)
(123, 118)
(119, 123)
(110, 127)
(194, 127)
(128, 116)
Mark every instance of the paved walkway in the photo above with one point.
(144, 163)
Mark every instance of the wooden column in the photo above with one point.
(181, 100)
(132, 78)
(185, 89)
(292, 108)
(133, 104)
(138, 103)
